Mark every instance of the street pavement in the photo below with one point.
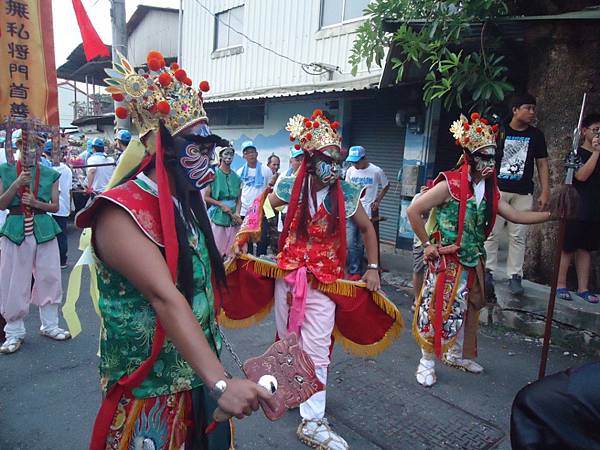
(49, 391)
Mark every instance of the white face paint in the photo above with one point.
(227, 156)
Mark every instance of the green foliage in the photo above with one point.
(431, 36)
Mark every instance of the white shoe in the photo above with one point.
(11, 345)
(318, 434)
(58, 334)
(426, 372)
(468, 365)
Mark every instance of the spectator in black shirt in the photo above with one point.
(523, 145)
(582, 235)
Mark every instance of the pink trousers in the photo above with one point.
(224, 238)
(315, 336)
(17, 265)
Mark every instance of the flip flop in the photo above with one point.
(564, 294)
(588, 296)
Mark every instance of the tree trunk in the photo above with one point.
(564, 62)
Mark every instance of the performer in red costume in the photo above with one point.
(306, 282)
(463, 203)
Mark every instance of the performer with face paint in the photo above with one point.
(155, 257)
(224, 197)
(306, 284)
(464, 203)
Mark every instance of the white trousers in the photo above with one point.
(315, 337)
(18, 263)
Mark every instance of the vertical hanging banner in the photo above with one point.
(27, 69)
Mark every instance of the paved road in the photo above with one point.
(49, 391)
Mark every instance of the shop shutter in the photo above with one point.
(372, 125)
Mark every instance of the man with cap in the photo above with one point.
(102, 168)
(371, 177)
(65, 183)
(28, 245)
(295, 161)
(223, 198)
(255, 179)
(122, 139)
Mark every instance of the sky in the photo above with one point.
(66, 31)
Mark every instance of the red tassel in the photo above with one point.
(92, 44)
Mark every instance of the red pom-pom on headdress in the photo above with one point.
(316, 113)
(174, 67)
(164, 107)
(180, 75)
(154, 64)
(204, 86)
(157, 56)
(335, 125)
(475, 116)
(165, 79)
(297, 146)
(118, 97)
(292, 138)
(187, 81)
(121, 112)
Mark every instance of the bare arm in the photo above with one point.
(544, 176)
(588, 168)
(91, 174)
(436, 196)
(208, 199)
(275, 201)
(24, 179)
(362, 221)
(119, 242)
(52, 207)
(524, 217)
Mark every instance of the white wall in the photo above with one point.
(157, 31)
(290, 27)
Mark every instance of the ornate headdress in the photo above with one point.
(474, 135)
(316, 133)
(160, 93)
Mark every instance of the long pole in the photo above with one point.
(119, 43)
(180, 32)
(552, 300)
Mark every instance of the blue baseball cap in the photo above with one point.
(98, 142)
(124, 136)
(356, 153)
(48, 146)
(294, 153)
(88, 145)
(248, 144)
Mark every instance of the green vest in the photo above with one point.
(225, 188)
(45, 227)
(128, 327)
(471, 246)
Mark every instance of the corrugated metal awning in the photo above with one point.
(356, 84)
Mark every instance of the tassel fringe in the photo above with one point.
(247, 322)
(370, 349)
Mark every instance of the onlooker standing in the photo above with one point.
(222, 197)
(295, 161)
(272, 215)
(65, 183)
(371, 177)
(582, 236)
(255, 178)
(98, 177)
(122, 139)
(523, 145)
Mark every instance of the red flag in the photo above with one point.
(92, 44)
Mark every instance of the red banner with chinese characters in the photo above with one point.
(27, 69)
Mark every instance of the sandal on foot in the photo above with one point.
(58, 334)
(564, 294)
(588, 296)
(11, 345)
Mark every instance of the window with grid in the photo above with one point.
(335, 12)
(228, 24)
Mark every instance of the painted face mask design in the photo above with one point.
(227, 156)
(327, 171)
(485, 162)
(196, 154)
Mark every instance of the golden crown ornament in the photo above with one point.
(160, 93)
(474, 135)
(315, 133)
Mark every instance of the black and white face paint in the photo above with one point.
(227, 156)
(485, 161)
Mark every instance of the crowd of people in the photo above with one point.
(174, 235)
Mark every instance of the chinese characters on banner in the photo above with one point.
(27, 70)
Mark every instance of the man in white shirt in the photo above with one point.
(255, 178)
(98, 177)
(65, 183)
(371, 177)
